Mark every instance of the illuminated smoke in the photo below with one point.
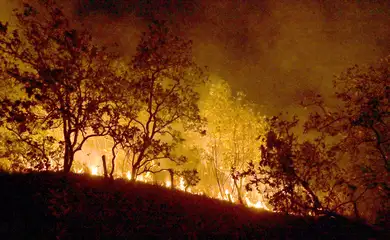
(272, 50)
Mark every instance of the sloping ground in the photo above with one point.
(49, 205)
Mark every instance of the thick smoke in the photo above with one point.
(273, 50)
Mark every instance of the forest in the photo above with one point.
(72, 105)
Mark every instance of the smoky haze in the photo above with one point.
(274, 51)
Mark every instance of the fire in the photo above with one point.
(229, 197)
(94, 170)
(128, 175)
(168, 183)
(181, 184)
(259, 204)
(140, 178)
(147, 178)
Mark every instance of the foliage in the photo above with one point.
(296, 177)
(190, 177)
(62, 72)
(164, 80)
(344, 168)
(230, 139)
(64, 101)
(359, 125)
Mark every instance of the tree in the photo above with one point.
(230, 139)
(344, 167)
(164, 79)
(359, 125)
(190, 178)
(298, 177)
(62, 73)
(20, 149)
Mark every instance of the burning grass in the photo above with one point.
(49, 205)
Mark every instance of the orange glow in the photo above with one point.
(140, 178)
(94, 170)
(128, 175)
(252, 202)
(229, 197)
(147, 177)
(168, 184)
(258, 204)
(181, 184)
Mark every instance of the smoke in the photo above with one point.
(277, 51)
(274, 51)
(6, 7)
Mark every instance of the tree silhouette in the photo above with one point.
(190, 178)
(164, 80)
(62, 72)
(345, 167)
(296, 177)
(359, 126)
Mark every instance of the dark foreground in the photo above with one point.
(50, 206)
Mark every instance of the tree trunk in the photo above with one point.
(69, 154)
(133, 173)
(171, 173)
(356, 210)
(112, 168)
(67, 159)
(238, 192)
(317, 204)
(104, 166)
(113, 160)
(66, 167)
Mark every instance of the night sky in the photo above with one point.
(274, 51)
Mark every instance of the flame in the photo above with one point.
(229, 196)
(128, 175)
(147, 178)
(168, 183)
(259, 204)
(94, 170)
(220, 196)
(181, 184)
(140, 178)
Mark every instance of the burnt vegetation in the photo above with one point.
(325, 176)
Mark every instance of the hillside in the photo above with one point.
(49, 205)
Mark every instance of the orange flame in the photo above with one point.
(259, 204)
(94, 170)
(128, 175)
(181, 184)
(168, 183)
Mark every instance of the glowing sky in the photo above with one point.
(272, 50)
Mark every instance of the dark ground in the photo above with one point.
(49, 205)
